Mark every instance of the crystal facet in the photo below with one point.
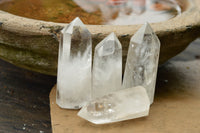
(117, 106)
(107, 67)
(142, 60)
(74, 66)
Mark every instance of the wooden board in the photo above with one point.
(176, 108)
(24, 100)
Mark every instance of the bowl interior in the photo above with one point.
(98, 12)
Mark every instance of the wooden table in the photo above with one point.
(24, 100)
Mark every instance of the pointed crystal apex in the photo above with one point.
(108, 45)
(139, 35)
(107, 66)
(117, 106)
(111, 36)
(69, 28)
(148, 29)
(142, 60)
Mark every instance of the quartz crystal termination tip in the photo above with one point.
(69, 28)
(142, 60)
(107, 66)
(118, 106)
(74, 66)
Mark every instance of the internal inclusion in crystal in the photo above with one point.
(142, 60)
(74, 66)
(132, 100)
(74, 74)
(107, 66)
(121, 105)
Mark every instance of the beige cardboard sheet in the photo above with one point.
(176, 108)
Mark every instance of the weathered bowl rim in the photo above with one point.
(27, 26)
(31, 44)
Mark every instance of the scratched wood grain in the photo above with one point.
(24, 100)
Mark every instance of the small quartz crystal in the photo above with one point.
(107, 66)
(74, 66)
(121, 105)
(142, 60)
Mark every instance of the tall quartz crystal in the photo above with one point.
(142, 60)
(121, 105)
(74, 66)
(107, 67)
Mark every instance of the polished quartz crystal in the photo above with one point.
(107, 66)
(142, 60)
(74, 66)
(121, 105)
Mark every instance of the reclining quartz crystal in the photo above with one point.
(121, 105)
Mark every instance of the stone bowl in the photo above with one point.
(33, 44)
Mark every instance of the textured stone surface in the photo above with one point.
(74, 66)
(118, 106)
(34, 42)
(107, 66)
(142, 60)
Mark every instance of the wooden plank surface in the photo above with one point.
(24, 100)
(176, 108)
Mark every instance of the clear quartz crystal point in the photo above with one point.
(74, 66)
(121, 105)
(107, 67)
(142, 60)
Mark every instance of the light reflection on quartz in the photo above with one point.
(127, 12)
